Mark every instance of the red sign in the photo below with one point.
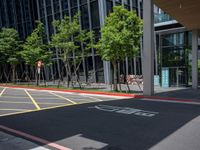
(39, 64)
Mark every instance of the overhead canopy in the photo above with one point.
(186, 12)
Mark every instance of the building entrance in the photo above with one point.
(178, 76)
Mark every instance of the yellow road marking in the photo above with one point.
(63, 98)
(2, 91)
(32, 99)
(47, 108)
(29, 111)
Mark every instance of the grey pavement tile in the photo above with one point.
(14, 94)
(51, 105)
(38, 100)
(89, 97)
(17, 106)
(12, 99)
(85, 100)
(42, 95)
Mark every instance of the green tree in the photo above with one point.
(34, 49)
(120, 37)
(68, 39)
(10, 48)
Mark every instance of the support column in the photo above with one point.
(106, 64)
(148, 74)
(194, 59)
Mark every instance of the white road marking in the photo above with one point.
(2, 91)
(63, 97)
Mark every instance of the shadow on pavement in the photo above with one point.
(86, 128)
(188, 93)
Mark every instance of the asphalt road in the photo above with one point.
(126, 124)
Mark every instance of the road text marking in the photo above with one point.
(125, 110)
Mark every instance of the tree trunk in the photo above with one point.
(1, 74)
(115, 75)
(13, 72)
(77, 75)
(36, 76)
(68, 73)
(5, 74)
(118, 73)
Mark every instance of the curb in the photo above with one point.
(73, 91)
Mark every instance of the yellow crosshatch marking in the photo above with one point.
(35, 110)
(42, 101)
(32, 99)
(63, 98)
(2, 91)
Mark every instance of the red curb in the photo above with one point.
(34, 138)
(75, 91)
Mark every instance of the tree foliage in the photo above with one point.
(120, 37)
(9, 45)
(68, 39)
(34, 48)
(9, 49)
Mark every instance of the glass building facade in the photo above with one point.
(173, 49)
(172, 42)
(92, 16)
(18, 14)
(160, 16)
(175, 54)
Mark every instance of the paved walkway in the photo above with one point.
(182, 93)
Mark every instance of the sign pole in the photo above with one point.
(38, 76)
(39, 65)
